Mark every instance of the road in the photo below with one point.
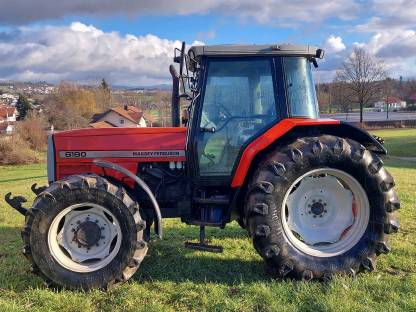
(372, 116)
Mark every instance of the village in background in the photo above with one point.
(29, 111)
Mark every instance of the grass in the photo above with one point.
(172, 278)
(399, 142)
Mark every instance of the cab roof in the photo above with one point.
(197, 52)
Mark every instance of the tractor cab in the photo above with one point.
(238, 92)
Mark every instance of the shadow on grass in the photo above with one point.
(14, 268)
(167, 260)
(172, 262)
(399, 163)
(22, 179)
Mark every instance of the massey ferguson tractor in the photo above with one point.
(312, 193)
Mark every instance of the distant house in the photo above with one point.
(6, 128)
(7, 113)
(394, 103)
(126, 116)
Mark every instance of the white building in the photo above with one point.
(394, 103)
(127, 116)
(8, 114)
(9, 99)
(6, 128)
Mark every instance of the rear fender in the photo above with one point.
(292, 128)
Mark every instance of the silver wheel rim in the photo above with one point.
(325, 212)
(84, 237)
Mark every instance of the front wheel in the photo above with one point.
(321, 206)
(84, 232)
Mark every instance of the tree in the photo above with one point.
(363, 75)
(104, 85)
(70, 106)
(341, 95)
(103, 95)
(23, 106)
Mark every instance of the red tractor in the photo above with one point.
(312, 193)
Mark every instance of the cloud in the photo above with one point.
(20, 12)
(86, 54)
(397, 48)
(390, 15)
(334, 44)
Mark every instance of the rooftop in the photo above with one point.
(6, 111)
(264, 49)
(101, 124)
(129, 112)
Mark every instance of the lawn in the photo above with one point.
(401, 143)
(172, 278)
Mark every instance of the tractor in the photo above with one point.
(249, 146)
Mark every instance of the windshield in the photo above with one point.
(300, 88)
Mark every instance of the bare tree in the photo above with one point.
(341, 95)
(363, 75)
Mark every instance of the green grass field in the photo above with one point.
(173, 278)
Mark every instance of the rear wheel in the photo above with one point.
(319, 207)
(84, 232)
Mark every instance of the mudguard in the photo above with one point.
(301, 127)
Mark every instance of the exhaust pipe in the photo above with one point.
(175, 97)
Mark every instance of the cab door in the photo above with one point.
(237, 104)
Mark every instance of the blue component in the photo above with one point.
(212, 215)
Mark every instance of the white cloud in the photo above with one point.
(267, 11)
(334, 44)
(390, 15)
(397, 48)
(86, 54)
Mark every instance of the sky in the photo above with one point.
(131, 42)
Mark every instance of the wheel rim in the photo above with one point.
(84, 237)
(325, 212)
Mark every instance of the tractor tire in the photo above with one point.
(321, 206)
(65, 234)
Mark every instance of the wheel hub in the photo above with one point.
(88, 233)
(84, 237)
(317, 208)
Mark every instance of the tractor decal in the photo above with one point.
(122, 154)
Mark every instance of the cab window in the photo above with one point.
(238, 104)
